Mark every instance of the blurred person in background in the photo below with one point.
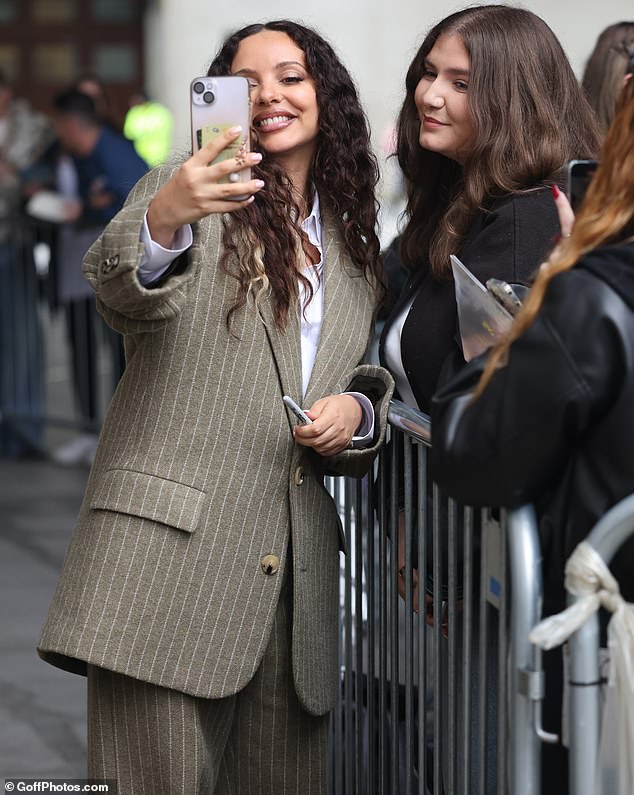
(100, 169)
(546, 416)
(24, 137)
(96, 89)
(609, 63)
(148, 124)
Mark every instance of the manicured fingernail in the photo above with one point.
(259, 183)
(256, 157)
(235, 130)
(555, 190)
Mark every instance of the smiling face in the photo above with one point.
(284, 101)
(441, 100)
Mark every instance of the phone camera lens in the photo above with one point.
(199, 87)
(209, 97)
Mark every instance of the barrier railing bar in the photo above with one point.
(394, 634)
(423, 651)
(409, 614)
(349, 720)
(482, 664)
(438, 670)
(452, 761)
(467, 635)
(358, 633)
(383, 639)
(502, 667)
(525, 612)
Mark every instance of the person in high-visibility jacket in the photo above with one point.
(148, 124)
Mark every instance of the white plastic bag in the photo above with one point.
(615, 763)
(588, 578)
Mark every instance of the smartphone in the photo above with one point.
(579, 174)
(217, 104)
(301, 416)
(505, 295)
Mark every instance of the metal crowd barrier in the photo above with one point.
(445, 699)
(58, 362)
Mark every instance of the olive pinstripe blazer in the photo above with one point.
(197, 478)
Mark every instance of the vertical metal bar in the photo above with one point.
(409, 614)
(348, 671)
(502, 645)
(525, 612)
(360, 533)
(384, 514)
(451, 755)
(393, 594)
(422, 623)
(467, 633)
(371, 724)
(438, 744)
(584, 706)
(482, 664)
(339, 759)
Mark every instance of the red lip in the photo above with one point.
(431, 122)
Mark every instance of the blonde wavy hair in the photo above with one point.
(605, 216)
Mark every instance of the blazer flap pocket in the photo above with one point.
(150, 497)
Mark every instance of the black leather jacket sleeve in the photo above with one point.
(514, 442)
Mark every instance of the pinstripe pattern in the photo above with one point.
(154, 741)
(194, 478)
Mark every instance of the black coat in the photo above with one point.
(508, 242)
(556, 425)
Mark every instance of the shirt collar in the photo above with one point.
(312, 225)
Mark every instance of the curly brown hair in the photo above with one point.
(529, 117)
(263, 238)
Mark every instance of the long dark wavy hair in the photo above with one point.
(264, 238)
(529, 117)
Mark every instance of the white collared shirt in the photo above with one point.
(156, 260)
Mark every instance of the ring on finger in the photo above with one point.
(241, 154)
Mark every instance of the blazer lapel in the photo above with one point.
(286, 348)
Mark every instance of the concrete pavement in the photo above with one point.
(42, 709)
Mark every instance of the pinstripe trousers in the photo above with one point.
(156, 741)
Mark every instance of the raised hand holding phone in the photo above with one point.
(197, 189)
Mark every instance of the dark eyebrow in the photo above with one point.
(453, 72)
(280, 65)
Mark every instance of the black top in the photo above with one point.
(555, 425)
(508, 242)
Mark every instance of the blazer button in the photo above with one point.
(299, 476)
(270, 564)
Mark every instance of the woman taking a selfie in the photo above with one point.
(200, 590)
(546, 417)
